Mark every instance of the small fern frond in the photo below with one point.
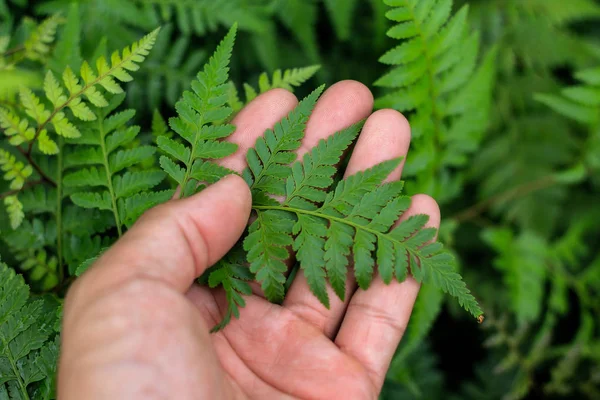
(289, 79)
(581, 102)
(18, 130)
(14, 208)
(103, 162)
(199, 111)
(37, 45)
(41, 268)
(234, 278)
(14, 171)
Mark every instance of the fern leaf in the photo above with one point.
(288, 80)
(14, 171)
(266, 244)
(37, 45)
(198, 112)
(41, 268)
(233, 277)
(431, 78)
(308, 178)
(17, 130)
(268, 161)
(101, 150)
(134, 206)
(582, 102)
(328, 226)
(14, 208)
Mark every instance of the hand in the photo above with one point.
(137, 327)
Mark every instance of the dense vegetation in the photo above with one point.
(503, 97)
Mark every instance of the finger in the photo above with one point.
(173, 243)
(376, 318)
(253, 120)
(386, 135)
(343, 104)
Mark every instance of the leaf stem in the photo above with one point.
(336, 219)
(13, 364)
(59, 197)
(515, 192)
(17, 191)
(111, 190)
(35, 166)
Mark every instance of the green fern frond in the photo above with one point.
(234, 278)
(204, 16)
(198, 112)
(103, 162)
(430, 79)
(288, 79)
(105, 76)
(269, 160)
(37, 45)
(28, 353)
(581, 102)
(522, 262)
(325, 224)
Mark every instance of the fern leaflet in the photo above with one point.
(199, 111)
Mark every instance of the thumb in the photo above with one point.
(175, 242)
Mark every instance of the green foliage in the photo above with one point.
(102, 160)
(28, 354)
(582, 102)
(502, 99)
(325, 224)
(198, 111)
(436, 73)
(288, 80)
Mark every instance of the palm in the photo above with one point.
(273, 352)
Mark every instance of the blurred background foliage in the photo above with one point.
(507, 140)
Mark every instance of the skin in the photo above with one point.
(137, 327)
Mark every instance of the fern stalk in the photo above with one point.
(111, 189)
(59, 198)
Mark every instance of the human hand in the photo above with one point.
(137, 327)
